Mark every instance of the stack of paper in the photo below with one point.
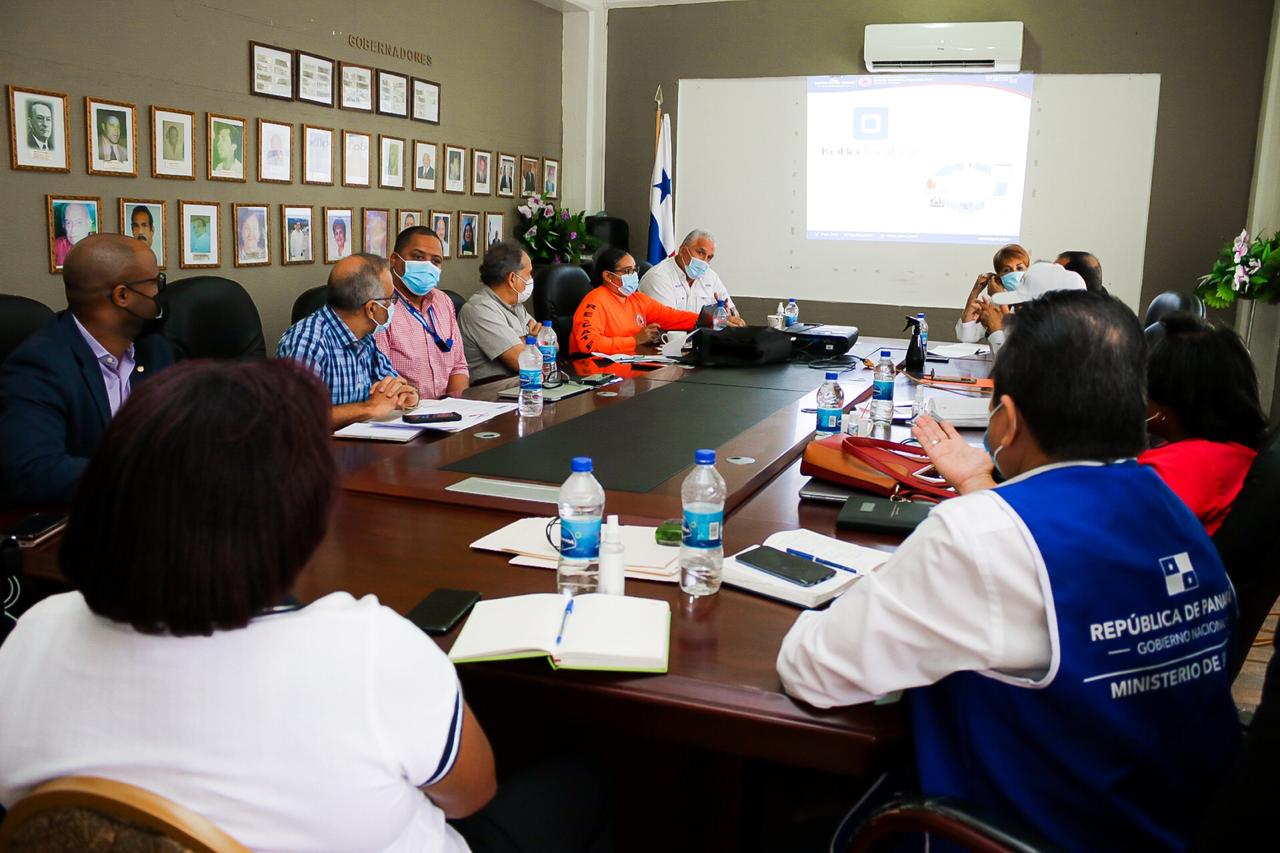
(957, 350)
(622, 358)
(474, 413)
(602, 632)
(844, 553)
(644, 558)
(961, 411)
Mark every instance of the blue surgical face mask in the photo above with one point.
(391, 312)
(630, 283)
(421, 277)
(986, 444)
(1012, 280)
(696, 268)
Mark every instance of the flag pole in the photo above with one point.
(657, 119)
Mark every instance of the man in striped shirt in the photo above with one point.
(337, 343)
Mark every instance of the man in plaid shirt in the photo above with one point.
(337, 343)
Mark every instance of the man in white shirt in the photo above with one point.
(686, 282)
(1062, 636)
(1040, 278)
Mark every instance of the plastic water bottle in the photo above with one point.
(581, 505)
(530, 379)
(701, 550)
(549, 345)
(830, 405)
(612, 559)
(882, 390)
(720, 316)
(791, 312)
(924, 334)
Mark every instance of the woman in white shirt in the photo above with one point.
(980, 316)
(177, 666)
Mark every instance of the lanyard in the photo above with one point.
(445, 345)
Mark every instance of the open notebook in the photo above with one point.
(604, 632)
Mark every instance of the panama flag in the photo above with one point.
(662, 226)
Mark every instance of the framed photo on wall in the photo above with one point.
(295, 234)
(481, 172)
(275, 152)
(252, 237)
(426, 101)
(317, 155)
(38, 122)
(375, 225)
(173, 143)
(528, 175)
(199, 235)
(442, 224)
(270, 71)
(455, 169)
(357, 87)
(226, 147)
(390, 162)
(111, 142)
(393, 94)
(407, 218)
(337, 234)
(355, 159)
(425, 155)
(145, 219)
(550, 178)
(70, 218)
(495, 228)
(506, 175)
(315, 78)
(468, 234)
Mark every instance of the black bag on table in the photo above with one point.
(741, 346)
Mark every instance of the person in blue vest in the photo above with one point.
(1062, 638)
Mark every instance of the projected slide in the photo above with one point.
(917, 158)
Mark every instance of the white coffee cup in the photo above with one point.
(776, 321)
(673, 342)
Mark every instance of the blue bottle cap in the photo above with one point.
(546, 324)
(581, 464)
(792, 299)
(529, 339)
(832, 376)
(704, 457)
(884, 353)
(920, 315)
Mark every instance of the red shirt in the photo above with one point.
(1207, 475)
(608, 323)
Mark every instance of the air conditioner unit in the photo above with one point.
(992, 46)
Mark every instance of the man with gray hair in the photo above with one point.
(494, 321)
(686, 282)
(337, 343)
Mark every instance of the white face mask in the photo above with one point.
(523, 295)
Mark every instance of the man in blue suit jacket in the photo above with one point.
(60, 389)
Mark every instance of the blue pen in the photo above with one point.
(568, 608)
(821, 561)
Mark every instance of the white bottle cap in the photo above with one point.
(612, 532)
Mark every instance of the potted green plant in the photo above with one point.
(553, 235)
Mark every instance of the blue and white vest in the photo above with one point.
(1122, 742)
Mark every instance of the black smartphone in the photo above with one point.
(789, 567)
(34, 529)
(433, 418)
(442, 609)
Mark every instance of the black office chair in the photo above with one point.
(557, 290)
(19, 317)
(944, 819)
(457, 300)
(1249, 543)
(207, 316)
(308, 302)
(1170, 301)
(642, 267)
(613, 230)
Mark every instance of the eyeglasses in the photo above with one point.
(625, 271)
(384, 301)
(160, 281)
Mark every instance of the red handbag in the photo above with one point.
(886, 468)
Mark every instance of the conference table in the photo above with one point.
(399, 531)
